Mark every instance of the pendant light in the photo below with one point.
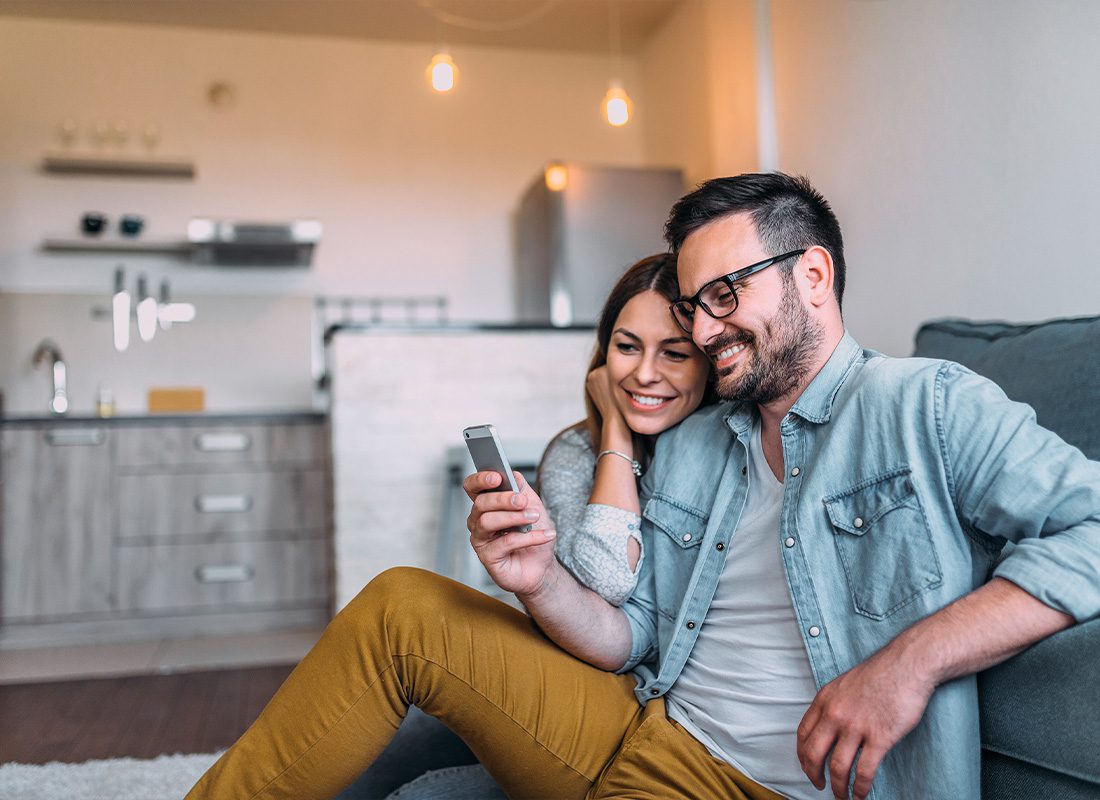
(617, 106)
(442, 72)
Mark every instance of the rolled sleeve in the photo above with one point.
(1014, 479)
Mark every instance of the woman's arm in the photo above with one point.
(593, 539)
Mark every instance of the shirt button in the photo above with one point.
(795, 472)
(789, 541)
(686, 537)
(815, 631)
(858, 523)
(744, 470)
(720, 546)
(691, 626)
(655, 692)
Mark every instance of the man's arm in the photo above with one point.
(873, 705)
(575, 617)
(1009, 479)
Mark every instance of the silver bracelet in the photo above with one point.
(635, 467)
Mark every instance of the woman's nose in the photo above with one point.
(647, 371)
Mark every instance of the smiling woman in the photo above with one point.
(645, 376)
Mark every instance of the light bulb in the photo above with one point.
(556, 176)
(442, 72)
(617, 105)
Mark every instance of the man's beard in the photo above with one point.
(780, 364)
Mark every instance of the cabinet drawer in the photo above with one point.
(211, 505)
(164, 577)
(190, 446)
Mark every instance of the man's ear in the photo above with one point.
(816, 270)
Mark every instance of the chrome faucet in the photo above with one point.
(49, 352)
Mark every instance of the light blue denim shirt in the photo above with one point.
(906, 480)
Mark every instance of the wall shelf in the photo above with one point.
(119, 166)
(148, 247)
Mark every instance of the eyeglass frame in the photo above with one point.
(729, 279)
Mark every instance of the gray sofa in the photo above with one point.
(1040, 711)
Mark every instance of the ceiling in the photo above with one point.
(582, 26)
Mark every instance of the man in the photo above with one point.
(815, 593)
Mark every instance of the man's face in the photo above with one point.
(765, 349)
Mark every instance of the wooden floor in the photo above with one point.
(140, 717)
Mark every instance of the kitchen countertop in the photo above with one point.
(204, 418)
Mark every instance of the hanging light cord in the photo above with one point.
(613, 30)
(487, 26)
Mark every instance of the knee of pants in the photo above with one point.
(401, 593)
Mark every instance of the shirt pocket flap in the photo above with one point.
(682, 524)
(856, 510)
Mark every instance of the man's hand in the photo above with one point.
(517, 562)
(867, 710)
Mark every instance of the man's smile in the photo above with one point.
(726, 356)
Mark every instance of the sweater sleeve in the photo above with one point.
(592, 538)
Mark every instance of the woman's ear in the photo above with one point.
(816, 269)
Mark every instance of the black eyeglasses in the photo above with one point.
(719, 297)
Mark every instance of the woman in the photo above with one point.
(645, 376)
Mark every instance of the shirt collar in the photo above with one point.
(815, 404)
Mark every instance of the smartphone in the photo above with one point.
(488, 455)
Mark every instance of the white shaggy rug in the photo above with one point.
(161, 778)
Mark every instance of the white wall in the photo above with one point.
(958, 145)
(415, 190)
(699, 76)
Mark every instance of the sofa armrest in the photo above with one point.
(1041, 706)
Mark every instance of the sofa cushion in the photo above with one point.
(1052, 366)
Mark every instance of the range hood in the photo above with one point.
(578, 228)
(233, 243)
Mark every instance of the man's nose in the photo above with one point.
(704, 328)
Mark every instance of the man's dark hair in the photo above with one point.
(789, 214)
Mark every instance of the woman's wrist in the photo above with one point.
(615, 435)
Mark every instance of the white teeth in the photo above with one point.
(729, 352)
(647, 401)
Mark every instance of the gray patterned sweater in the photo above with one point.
(592, 538)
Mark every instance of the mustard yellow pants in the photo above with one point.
(543, 723)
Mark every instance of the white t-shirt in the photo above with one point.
(747, 682)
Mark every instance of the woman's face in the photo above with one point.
(657, 374)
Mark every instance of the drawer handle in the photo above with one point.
(223, 503)
(223, 442)
(75, 438)
(224, 573)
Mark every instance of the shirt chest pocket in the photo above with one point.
(678, 531)
(884, 543)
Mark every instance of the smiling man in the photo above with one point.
(820, 546)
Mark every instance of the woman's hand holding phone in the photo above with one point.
(518, 562)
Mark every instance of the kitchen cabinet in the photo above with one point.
(56, 517)
(136, 527)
